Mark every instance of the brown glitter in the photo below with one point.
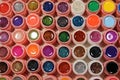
(17, 66)
(48, 35)
(96, 67)
(33, 78)
(79, 51)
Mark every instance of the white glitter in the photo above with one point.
(34, 35)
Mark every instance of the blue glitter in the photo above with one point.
(111, 51)
(63, 52)
(47, 6)
(78, 21)
(17, 20)
(48, 66)
(119, 7)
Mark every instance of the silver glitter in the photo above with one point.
(18, 6)
(80, 67)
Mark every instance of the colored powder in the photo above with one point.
(108, 6)
(63, 52)
(78, 7)
(119, 7)
(109, 21)
(93, 20)
(78, 21)
(95, 36)
(2, 78)
(33, 78)
(62, 21)
(48, 51)
(48, 66)
(111, 51)
(64, 36)
(33, 19)
(65, 78)
(47, 20)
(17, 78)
(111, 36)
(17, 66)
(80, 67)
(95, 52)
(113, 79)
(62, 7)
(18, 35)
(4, 36)
(3, 51)
(93, 6)
(33, 5)
(18, 6)
(32, 65)
(48, 6)
(112, 67)
(33, 34)
(96, 67)
(4, 8)
(3, 67)
(79, 51)
(3, 22)
(17, 20)
(48, 35)
(79, 36)
(33, 50)
(17, 51)
(64, 67)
